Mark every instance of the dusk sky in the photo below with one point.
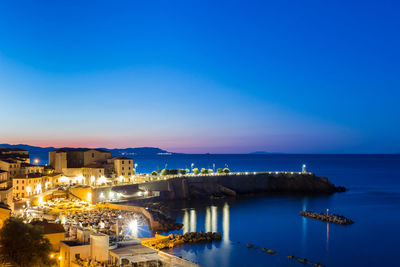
(197, 76)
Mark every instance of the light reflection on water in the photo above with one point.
(192, 224)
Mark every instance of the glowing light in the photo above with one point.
(38, 188)
(133, 226)
(52, 256)
(92, 179)
(214, 219)
(208, 220)
(186, 222)
(121, 179)
(64, 179)
(119, 195)
(40, 201)
(60, 258)
(78, 179)
(89, 197)
(111, 195)
(101, 195)
(28, 189)
(102, 180)
(102, 225)
(36, 161)
(225, 222)
(193, 220)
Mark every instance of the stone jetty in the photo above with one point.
(160, 242)
(331, 218)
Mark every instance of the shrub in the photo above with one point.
(196, 171)
(165, 172)
(226, 170)
(203, 171)
(154, 173)
(220, 170)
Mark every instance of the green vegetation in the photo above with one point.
(173, 171)
(219, 170)
(210, 171)
(226, 170)
(182, 171)
(204, 171)
(154, 173)
(196, 171)
(24, 245)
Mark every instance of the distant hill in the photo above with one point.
(42, 152)
(263, 153)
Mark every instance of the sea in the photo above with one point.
(372, 201)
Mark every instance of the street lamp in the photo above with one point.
(36, 161)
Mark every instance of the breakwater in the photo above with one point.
(202, 186)
(332, 218)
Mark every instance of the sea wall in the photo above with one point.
(231, 184)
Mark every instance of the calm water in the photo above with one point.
(372, 201)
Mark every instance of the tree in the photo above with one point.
(165, 172)
(23, 244)
(187, 170)
(203, 171)
(210, 171)
(154, 173)
(220, 170)
(182, 171)
(226, 170)
(196, 171)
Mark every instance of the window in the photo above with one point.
(23, 181)
(17, 181)
(129, 168)
(92, 155)
(123, 174)
(23, 195)
(129, 173)
(16, 187)
(122, 168)
(23, 187)
(122, 162)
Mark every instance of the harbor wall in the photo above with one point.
(201, 186)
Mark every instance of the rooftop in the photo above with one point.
(73, 243)
(5, 149)
(121, 158)
(66, 149)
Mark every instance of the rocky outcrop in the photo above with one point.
(332, 218)
(164, 242)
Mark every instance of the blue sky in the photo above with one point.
(199, 76)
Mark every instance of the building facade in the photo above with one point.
(29, 184)
(76, 157)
